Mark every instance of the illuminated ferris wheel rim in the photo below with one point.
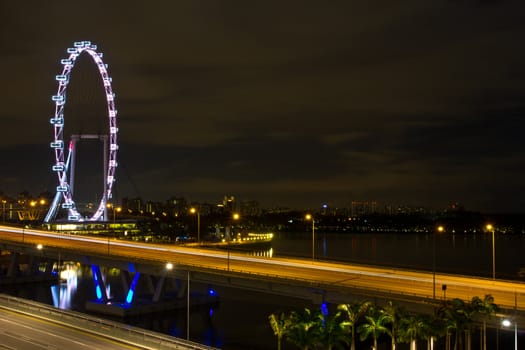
(61, 164)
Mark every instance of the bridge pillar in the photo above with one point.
(156, 286)
(125, 278)
(149, 284)
(33, 265)
(130, 295)
(182, 288)
(159, 288)
(14, 267)
(100, 286)
(49, 267)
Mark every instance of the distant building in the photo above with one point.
(177, 206)
(359, 208)
(134, 204)
(278, 210)
(228, 203)
(250, 208)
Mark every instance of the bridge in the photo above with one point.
(313, 280)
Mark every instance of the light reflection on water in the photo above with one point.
(62, 293)
(264, 253)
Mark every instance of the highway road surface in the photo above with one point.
(19, 331)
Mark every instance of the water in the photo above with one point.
(240, 320)
(460, 254)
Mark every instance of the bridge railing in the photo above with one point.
(117, 331)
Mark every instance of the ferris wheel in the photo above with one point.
(61, 167)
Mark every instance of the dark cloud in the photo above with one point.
(291, 103)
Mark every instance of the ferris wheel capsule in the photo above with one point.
(61, 77)
(62, 188)
(57, 144)
(58, 98)
(59, 167)
(57, 121)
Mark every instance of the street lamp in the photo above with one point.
(188, 308)
(198, 212)
(491, 228)
(440, 229)
(115, 211)
(508, 323)
(310, 217)
(235, 217)
(59, 288)
(169, 267)
(3, 210)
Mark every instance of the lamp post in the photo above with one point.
(491, 228)
(198, 212)
(235, 217)
(310, 217)
(188, 308)
(58, 280)
(3, 210)
(508, 323)
(440, 229)
(169, 267)
(115, 211)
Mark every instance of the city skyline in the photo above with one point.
(230, 203)
(288, 104)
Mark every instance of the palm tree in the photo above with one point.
(304, 330)
(432, 328)
(394, 314)
(447, 314)
(486, 308)
(353, 313)
(468, 311)
(279, 326)
(374, 326)
(334, 332)
(458, 317)
(412, 327)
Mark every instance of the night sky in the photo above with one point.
(291, 103)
